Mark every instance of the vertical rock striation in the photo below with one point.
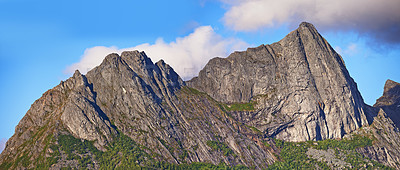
(301, 86)
(146, 102)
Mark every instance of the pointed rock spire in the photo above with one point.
(306, 24)
(391, 94)
(390, 84)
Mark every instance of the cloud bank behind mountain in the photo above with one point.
(379, 19)
(187, 55)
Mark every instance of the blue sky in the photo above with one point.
(42, 41)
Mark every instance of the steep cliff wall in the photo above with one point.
(300, 85)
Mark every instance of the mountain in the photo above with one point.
(300, 85)
(390, 101)
(385, 127)
(276, 106)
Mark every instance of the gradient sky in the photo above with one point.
(42, 42)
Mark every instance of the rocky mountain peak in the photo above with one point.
(390, 101)
(300, 79)
(392, 87)
(76, 73)
(306, 24)
(391, 94)
(78, 78)
(307, 28)
(136, 58)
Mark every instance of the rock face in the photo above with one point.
(385, 127)
(69, 107)
(148, 102)
(81, 115)
(390, 101)
(297, 89)
(386, 149)
(329, 157)
(300, 84)
(145, 101)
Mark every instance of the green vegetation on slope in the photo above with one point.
(293, 154)
(220, 146)
(24, 152)
(193, 90)
(345, 144)
(239, 106)
(122, 153)
(224, 106)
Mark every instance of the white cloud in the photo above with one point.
(91, 58)
(379, 18)
(2, 144)
(350, 50)
(187, 55)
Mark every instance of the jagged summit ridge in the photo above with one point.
(91, 107)
(81, 115)
(157, 79)
(301, 78)
(307, 24)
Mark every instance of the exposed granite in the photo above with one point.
(301, 86)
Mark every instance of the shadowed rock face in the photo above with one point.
(385, 127)
(390, 101)
(386, 148)
(301, 85)
(81, 115)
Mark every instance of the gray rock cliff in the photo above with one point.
(390, 101)
(386, 148)
(301, 87)
(385, 127)
(149, 103)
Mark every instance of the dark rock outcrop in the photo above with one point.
(385, 127)
(390, 101)
(386, 149)
(301, 86)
